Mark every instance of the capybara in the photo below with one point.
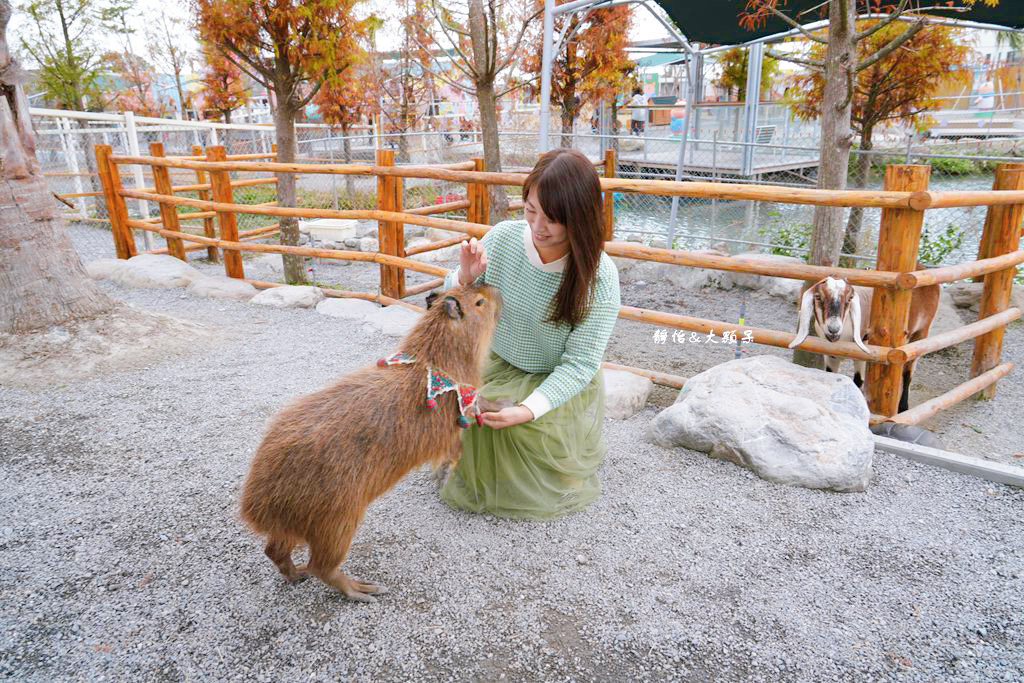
(327, 455)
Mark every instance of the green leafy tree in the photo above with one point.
(734, 72)
(61, 40)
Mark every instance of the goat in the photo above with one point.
(841, 313)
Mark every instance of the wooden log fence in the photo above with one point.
(903, 202)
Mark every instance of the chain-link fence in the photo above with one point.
(783, 152)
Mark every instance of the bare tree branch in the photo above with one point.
(892, 45)
(813, 64)
(522, 30)
(795, 24)
(882, 24)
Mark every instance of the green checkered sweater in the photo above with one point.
(523, 337)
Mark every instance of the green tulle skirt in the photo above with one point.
(536, 470)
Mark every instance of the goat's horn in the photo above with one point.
(855, 312)
(806, 304)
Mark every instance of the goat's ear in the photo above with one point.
(431, 298)
(855, 313)
(453, 308)
(806, 306)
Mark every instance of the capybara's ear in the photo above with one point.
(453, 307)
(431, 298)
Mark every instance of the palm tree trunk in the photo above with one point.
(42, 282)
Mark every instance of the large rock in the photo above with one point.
(158, 271)
(625, 393)
(267, 262)
(775, 286)
(787, 423)
(968, 295)
(353, 309)
(289, 296)
(221, 287)
(104, 268)
(393, 320)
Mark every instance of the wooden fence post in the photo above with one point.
(484, 190)
(390, 234)
(1005, 237)
(168, 212)
(898, 242)
(993, 216)
(220, 183)
(479, 210)
(610, 164)
(117, 210)
(204, 195)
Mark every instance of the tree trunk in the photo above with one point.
(284, 126)
(492, 153)
(836, 138)
(89, 147)
(851, 242)
(346, 145)
(42, 282)
(487, 100)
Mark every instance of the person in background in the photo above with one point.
(638, 113)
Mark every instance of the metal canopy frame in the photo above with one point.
(695, 77)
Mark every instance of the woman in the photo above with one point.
(538, 458)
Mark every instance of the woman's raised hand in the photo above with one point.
(472, 261)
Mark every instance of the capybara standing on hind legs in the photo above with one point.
(326, 456)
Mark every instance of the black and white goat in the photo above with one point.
(841, 312)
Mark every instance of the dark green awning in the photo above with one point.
(717, 22)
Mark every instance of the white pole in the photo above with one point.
(133, 148)
(545, 75)
(71, 154)
(213, 135)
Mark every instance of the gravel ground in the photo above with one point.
(122, 557)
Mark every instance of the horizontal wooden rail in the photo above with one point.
(945, 200)
(794, 271)
(908, 352)
(73, 195)
(206, 186)
(434, 246)
(431, 172)
(474, 229)
(671, 188)
(233, 157)
(960, 271)
(761, 335)
(419, 289)
(337, 254)
(439, 208)
(258, 233)
(342, 294)
(516, 205)
(662, 378)
(201, 214)
(923, 411)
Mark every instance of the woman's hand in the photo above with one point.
(472, 261)
(507, 417)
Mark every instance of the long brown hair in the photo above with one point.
(570, 194)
